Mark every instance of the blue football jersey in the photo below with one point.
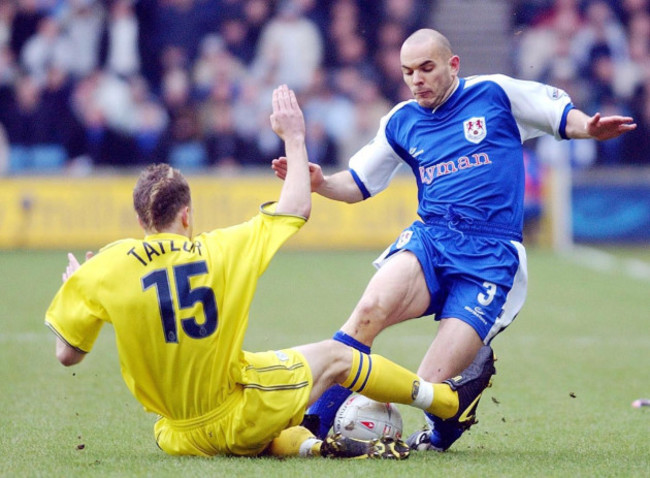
(466, 154)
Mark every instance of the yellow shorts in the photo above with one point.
(273, 396)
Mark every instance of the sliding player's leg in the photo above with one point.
(299, 441)
(383, 380)
(395, 293)
(277, 386)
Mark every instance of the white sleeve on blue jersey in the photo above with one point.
(376, 163)
(538, 108)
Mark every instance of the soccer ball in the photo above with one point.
(365, 419)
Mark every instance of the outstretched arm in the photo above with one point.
(339, 186)
(288, 123)
(581, 126)
(65, 353)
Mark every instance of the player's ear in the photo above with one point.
(454, 63)
(142, 225)
(186, 216)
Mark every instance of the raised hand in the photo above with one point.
(316, 176)
(73, 265)
(287, 120)
(608, 127)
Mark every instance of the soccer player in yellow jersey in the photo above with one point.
(179, 304)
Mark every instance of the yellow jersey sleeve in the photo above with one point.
(256, 242)
(74, 314)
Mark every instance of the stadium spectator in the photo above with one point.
(601, 27)
(29, 125)
(121, 38)
(344, 18)
(8, 67)
(181, 24)
(630, 75)
(326, 106)
(223, 144)
(7, 17)
(390, 34)
(606, 100)
(25, 23)
(392, 85)
(628, 9)
(368, 108)
(102, 104)
(463, 262)
(544, 50)
(150, 121)
(56, 103)
(321, 149)
(48, 46)
(636, 145)
(176, 89)
(351, 50)
(410, 14)
(540, 13)
(601, 75)
(215, 65)
(222, 399)
(182, 144)
(237, 38)
(290, 48)
(146, 13)
(317, 12)
(83, 23)
(257, 14)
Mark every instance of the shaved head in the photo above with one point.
(429, 67)
(436, 39)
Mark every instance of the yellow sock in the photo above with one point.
(295, 441)
(445, 403)
(383, 380)
(380, 379)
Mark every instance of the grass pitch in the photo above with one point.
(568, 369)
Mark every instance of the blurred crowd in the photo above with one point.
(599, 52)
(87, 84)
(122, 83)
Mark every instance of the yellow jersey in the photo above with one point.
(179, 308)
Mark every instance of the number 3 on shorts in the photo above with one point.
(491, 290)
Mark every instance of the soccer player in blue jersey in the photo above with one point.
(179, 306)
(463, 262)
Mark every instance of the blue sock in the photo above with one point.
(330, 401)
(443, 434)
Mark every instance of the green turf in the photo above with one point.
(568, 369)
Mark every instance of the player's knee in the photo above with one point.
(371, 312)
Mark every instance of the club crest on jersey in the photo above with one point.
(475, 129)
(404, 238)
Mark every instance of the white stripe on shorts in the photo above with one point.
(516, 297)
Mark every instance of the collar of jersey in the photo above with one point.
(165, 235)
(451, 99)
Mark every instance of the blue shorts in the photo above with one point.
(479, 277)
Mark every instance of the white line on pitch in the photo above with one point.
(604, 261)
